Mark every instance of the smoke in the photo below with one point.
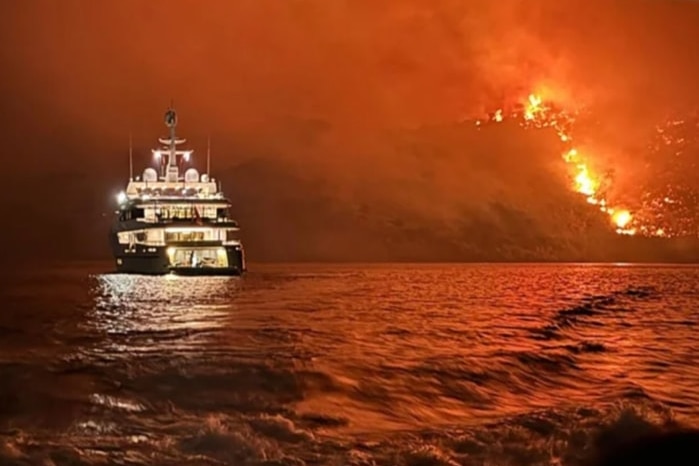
(340, 125)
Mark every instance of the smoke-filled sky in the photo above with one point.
(337, 125)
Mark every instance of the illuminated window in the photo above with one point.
(185, 236)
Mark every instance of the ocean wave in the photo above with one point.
(572, 437)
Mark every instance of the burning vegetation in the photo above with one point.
(667, 197)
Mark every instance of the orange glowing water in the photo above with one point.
(343, 364)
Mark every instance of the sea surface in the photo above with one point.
(343, 364)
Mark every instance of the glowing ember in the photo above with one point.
(668, 184)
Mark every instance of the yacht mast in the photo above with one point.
(130, 158)
(208, 156)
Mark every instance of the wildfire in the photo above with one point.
(539, 114)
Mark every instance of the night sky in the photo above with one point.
(340, 129)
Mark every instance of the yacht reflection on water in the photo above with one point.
(150, 322)
(132, 305)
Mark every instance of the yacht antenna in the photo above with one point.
(130, 158)
(208, 156)
(171, 122)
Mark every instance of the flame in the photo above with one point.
(585, 184)
(533, 107)
(585, 181)
(540, 114)
(622, 218)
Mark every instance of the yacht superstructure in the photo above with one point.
(174, 222)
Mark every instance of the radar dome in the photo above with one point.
(204, 178)
(191, 175)
(150, 175)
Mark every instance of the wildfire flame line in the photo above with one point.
(538, 114)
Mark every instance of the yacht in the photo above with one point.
(173, 220)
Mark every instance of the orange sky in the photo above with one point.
(354, 63)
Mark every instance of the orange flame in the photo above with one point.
(621, 218)
(584, 181)
(533, 107)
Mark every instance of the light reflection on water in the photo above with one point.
(131, 305)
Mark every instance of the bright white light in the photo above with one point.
(170, 251)
(156, 154)
(121, 197)
(186, 156)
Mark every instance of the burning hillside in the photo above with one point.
(663, 199)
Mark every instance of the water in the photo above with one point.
(343, 364)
